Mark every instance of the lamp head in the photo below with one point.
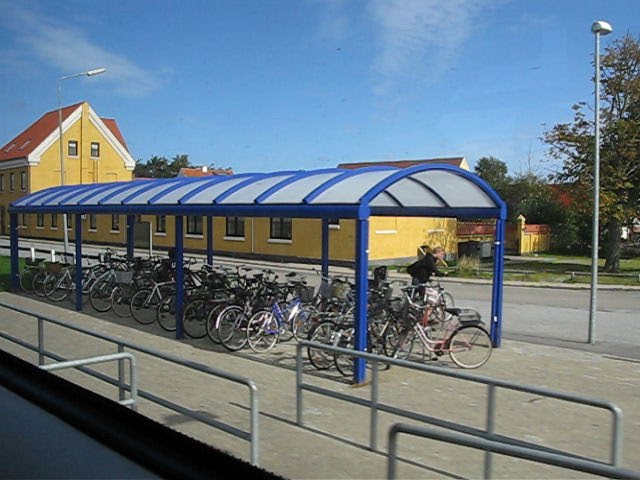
(601, 27)
(96, 71)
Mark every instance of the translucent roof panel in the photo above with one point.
(153, 188)
(456, 190)
(350, 189)
(120, 195)
(209, 194)
(248, 193)
(411, 194)
(299, 187)
(172, 195)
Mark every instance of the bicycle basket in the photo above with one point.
(124, 277)
(305, 293)
(54, 267)
(340, 290)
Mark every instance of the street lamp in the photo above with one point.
(598, 28)
(89, 73)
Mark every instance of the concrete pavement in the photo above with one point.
(333, 444)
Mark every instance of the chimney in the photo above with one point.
(204, 169)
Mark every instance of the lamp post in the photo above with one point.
(89, 73)
(598, 28)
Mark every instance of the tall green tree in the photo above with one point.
(493, 171)
(573, 143)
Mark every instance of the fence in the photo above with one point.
(492, 384)
(563, 461)
(252, 435)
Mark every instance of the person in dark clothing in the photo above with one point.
(422, 270)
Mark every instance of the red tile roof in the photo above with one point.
(199, 172)
(31, 138)
(455, 161)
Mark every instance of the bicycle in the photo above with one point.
(461, 335)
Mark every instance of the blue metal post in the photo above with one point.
(131, 225)
(498, 280)
(179, 276)
(78, 280)
(325, 248)
(209, 240)
(15, 265)
(362, 262)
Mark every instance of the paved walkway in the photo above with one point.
(334, 442)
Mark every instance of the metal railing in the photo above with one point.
(252, 435)
(493, 384)
(500, 447)
(133, 374)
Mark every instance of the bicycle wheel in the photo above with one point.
(56, 287)
(38, 283)
(322, 333)
(212, 323)
(232, 328)
(448, 300)
(195, 318)
(303, 322)
(166, 313)
(344, 363)
(470, 346)
(120, 301)
(402, 345)
(143, 307)
(26, 279)
(263, 331)
(100, 295)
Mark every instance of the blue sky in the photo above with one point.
(280, 84)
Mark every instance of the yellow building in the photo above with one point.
(94, 151)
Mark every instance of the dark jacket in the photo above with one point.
(422, 269)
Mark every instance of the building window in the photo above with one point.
(115, 223)
(194, 225)
(12, 181)
(95, 149)
(235, 227)
(334, 222)
(24, 218)
(2, 182)
(73, 148)
(281, 228)
(93, 222)
(161, 224)
(40, 220)
(54, 220)
(23, 180)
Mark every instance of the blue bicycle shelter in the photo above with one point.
(419, 191)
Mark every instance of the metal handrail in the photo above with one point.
(492, 383)
(503, 448)
(133, 375)
(252, 435)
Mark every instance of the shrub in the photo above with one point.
(468, 265)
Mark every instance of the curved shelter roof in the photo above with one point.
(424, 190)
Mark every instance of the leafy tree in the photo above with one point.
(493, 171)
(573, 143)
(160, 167)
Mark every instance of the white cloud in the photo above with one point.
(70, 50)
(420, 38)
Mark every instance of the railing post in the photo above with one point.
(299, 417)
(373, 441)
(255, 446)
(121, 380)
(40, 341)
(491, 409)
